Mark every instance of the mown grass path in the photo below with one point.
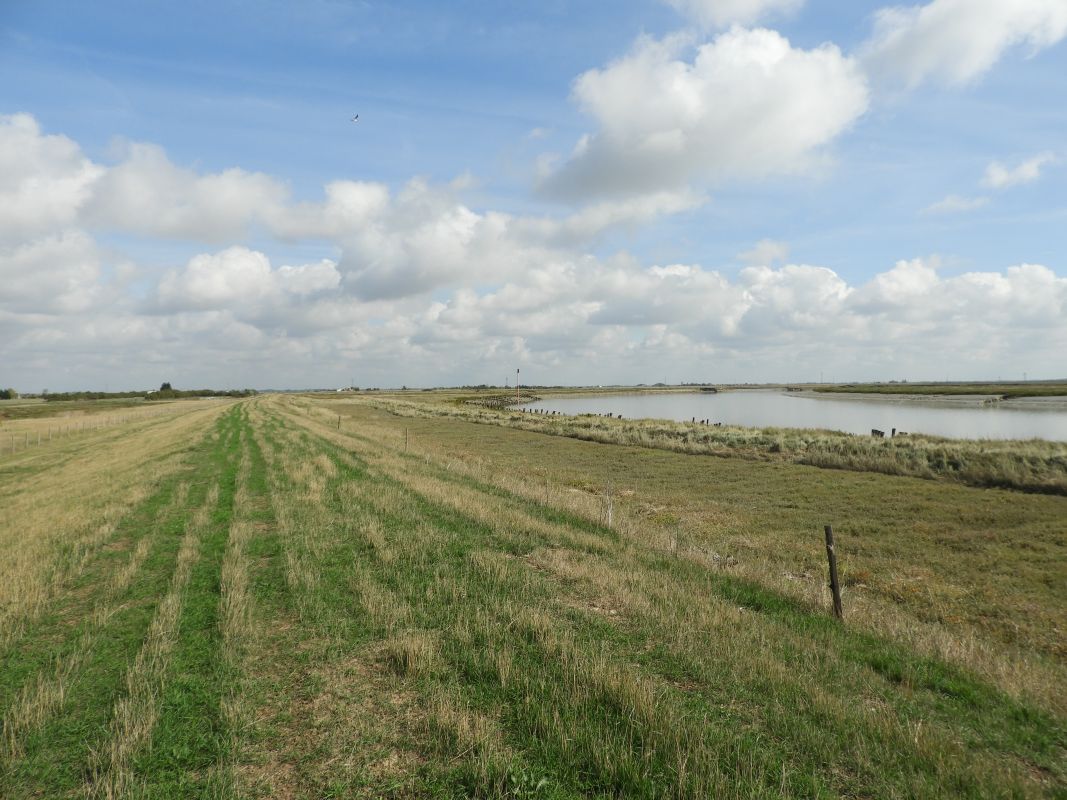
(312, 610)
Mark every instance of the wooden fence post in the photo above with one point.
(835, 587)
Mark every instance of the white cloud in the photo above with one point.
(957, 41)
(765, 252)
(956, 204)
(241, 279)
(44, 179)
(721, 13)
(999, 176)
(217, 280)
(52, 275)
(427, 289)
(588, 223)
(908, 285)
(425, 238)
(146, 193)
(348, 205)
(574, 319)
(308, 279)
(796, 297)
(748, 104)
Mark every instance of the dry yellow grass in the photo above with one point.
(60, 512)
(422, 607)
(688, 529)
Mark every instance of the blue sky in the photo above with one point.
(897, 163)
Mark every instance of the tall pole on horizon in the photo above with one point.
(516, 385)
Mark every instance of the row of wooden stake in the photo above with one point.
(25, 440)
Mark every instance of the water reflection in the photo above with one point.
(785, 410)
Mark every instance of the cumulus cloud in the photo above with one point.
(425, 237)
(55, 274)
(721, 13)
(146, 193)
(638, 320)
(748, 104)
(47, 184)
(765, 252)
(347, 206)
(909, 285)
(559, 318)
(794, 298)
(44, 179)
(242, 279)
(999, 176)
(956, 41)
(956, 204)
(591, 221)
(422, 287)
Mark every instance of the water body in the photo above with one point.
(790, 410)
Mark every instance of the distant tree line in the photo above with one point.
(165, 392)
(171, 394)
(8, 394)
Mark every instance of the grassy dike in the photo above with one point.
(1029, 466)
(322, 599)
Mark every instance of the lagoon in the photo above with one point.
(772, 408)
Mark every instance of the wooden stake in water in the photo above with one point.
(835, 587)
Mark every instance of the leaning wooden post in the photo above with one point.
(835, 587)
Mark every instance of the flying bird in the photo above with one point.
(355, 118)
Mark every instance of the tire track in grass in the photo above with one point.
(329, 723)
(945, 696)
(766, 602)
(134, 716)
(52, 637)
(179, 757)
(70, 513)
(244, 622)
(377, 578)
(86, 667)
(409, 591)
(458, 589)
(43, 695)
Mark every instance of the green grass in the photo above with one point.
(437, 608)
(55, 755)
(1030, 466)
